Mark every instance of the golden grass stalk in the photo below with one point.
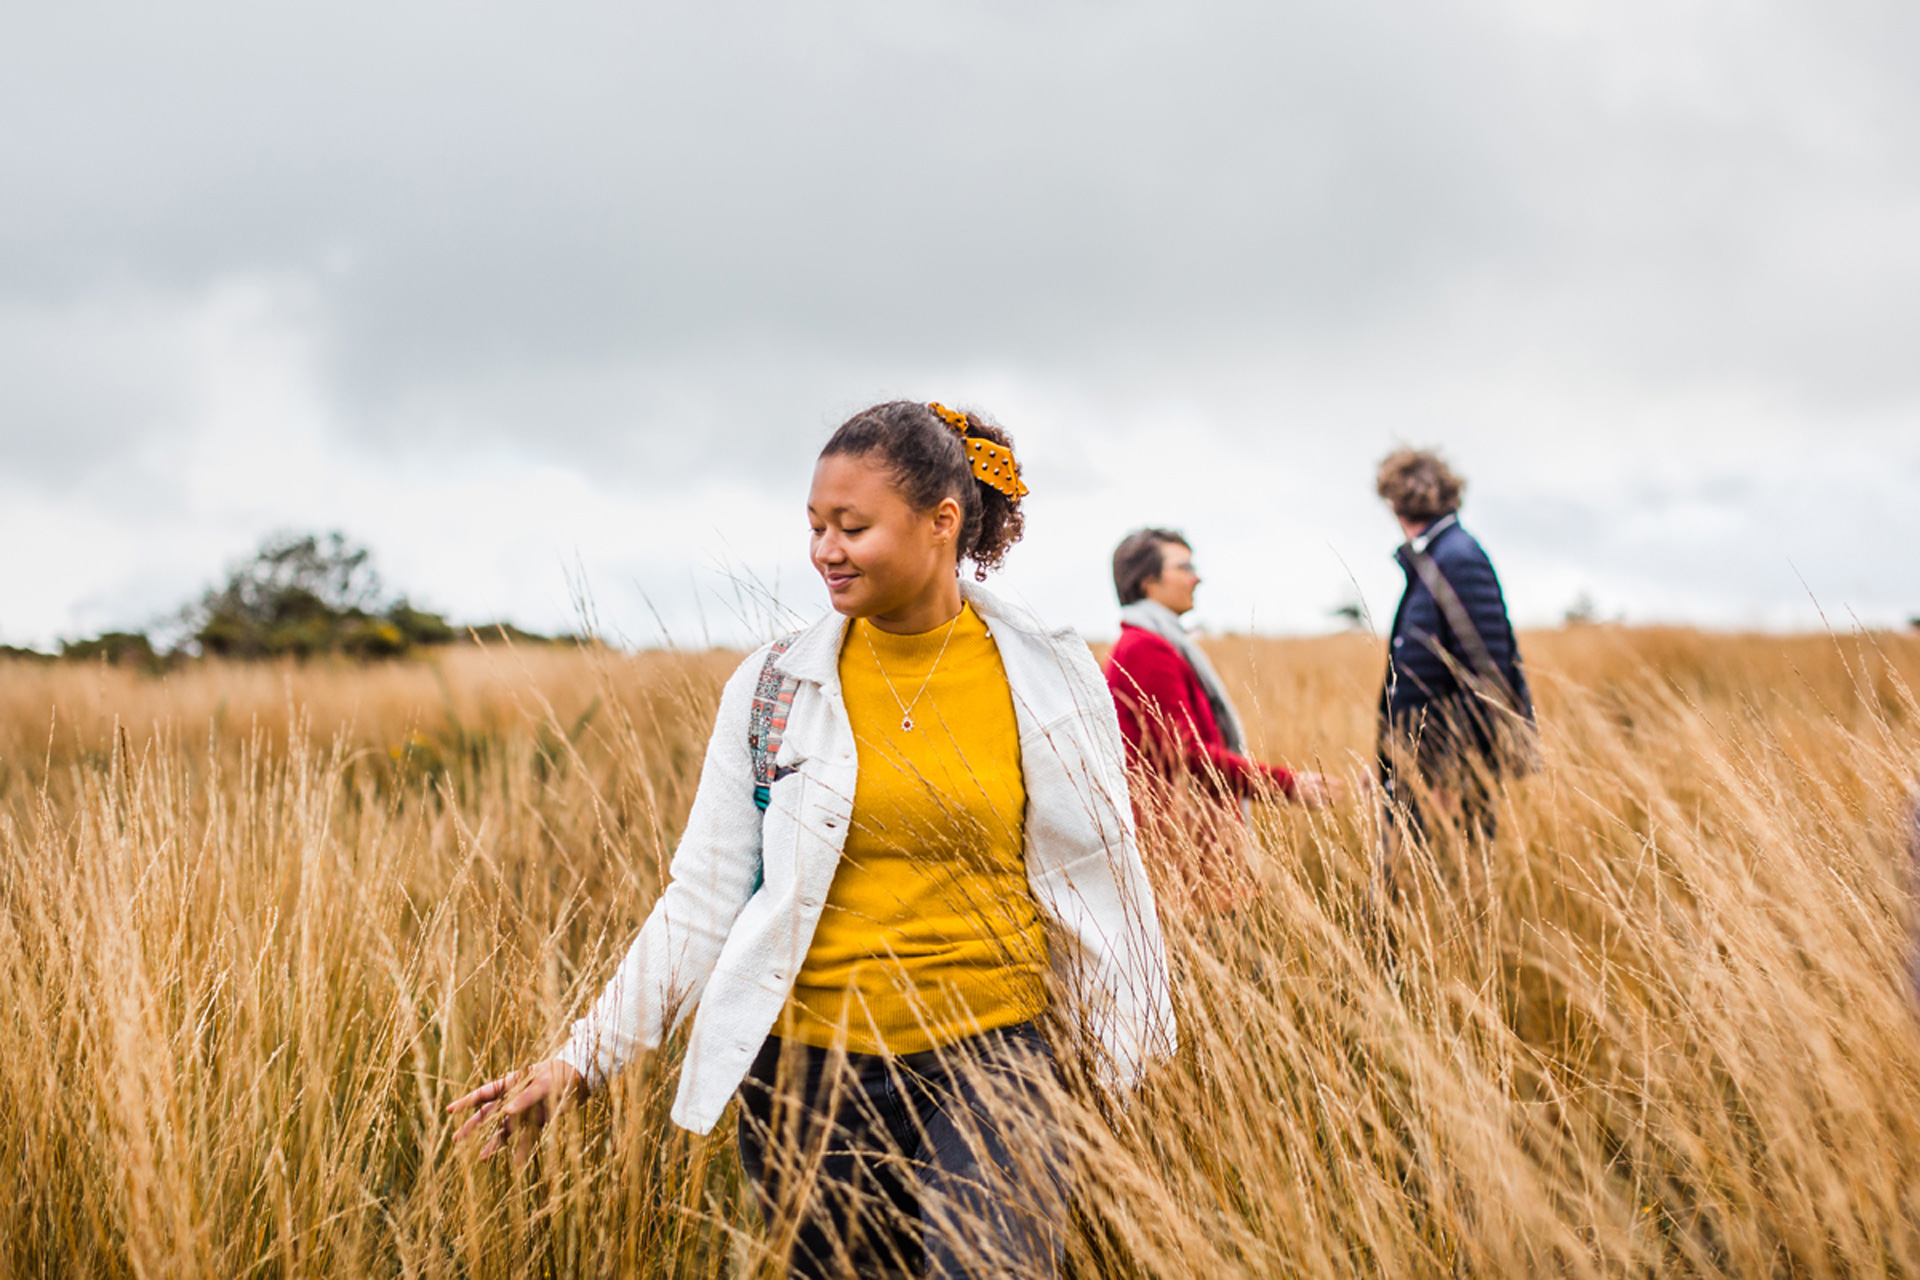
(258, 924)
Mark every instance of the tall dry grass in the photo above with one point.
(260, 924)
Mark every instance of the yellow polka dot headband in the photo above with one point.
(993, 463)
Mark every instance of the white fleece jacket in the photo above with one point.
(715, 943)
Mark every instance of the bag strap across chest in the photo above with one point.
(767, 723)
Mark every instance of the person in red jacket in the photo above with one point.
(1191, 778)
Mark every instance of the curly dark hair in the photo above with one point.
(929, 463)
(1419, 485)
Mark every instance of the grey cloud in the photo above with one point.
(84, 381)
(534, 189)
(662, 242)
(660, 182)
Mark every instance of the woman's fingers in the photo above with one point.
(517, 1119)
(475, 1120)
(485, 1093)
(1318, 790)
(522, 1119)
(523, 1137)
(519, 1106)
(485, 1100)
(504, 1128)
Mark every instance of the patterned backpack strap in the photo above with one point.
(772, 701)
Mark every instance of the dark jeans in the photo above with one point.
(944, 1164)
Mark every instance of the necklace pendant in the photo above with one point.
(906, 724)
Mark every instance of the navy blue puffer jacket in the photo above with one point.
(1441, 689)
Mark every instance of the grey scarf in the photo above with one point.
(1150, 615)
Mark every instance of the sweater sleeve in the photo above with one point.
(714, 872)
(1155, 694)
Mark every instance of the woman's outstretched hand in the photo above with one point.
(1317, 790)
(520, 1103)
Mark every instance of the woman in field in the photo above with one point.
(912, 817)
(1192, 780)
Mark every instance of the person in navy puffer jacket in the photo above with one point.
(1455, 706)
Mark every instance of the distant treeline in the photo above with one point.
(301, 596)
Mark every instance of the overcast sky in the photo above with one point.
(532, 296)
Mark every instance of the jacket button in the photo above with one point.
(1398, 641)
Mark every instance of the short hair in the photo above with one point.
(1140, 556)
(1419, 485)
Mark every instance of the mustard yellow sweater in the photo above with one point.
(929, 933)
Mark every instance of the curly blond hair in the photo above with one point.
(1419, 485)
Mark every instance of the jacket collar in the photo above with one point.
(814, 654)
(1432, 531)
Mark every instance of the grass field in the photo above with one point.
(261, 923)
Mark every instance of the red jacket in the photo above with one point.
(1168, 722)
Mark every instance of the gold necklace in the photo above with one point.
(906, 708)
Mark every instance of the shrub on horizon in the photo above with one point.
(116, 649)
(305, 595)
